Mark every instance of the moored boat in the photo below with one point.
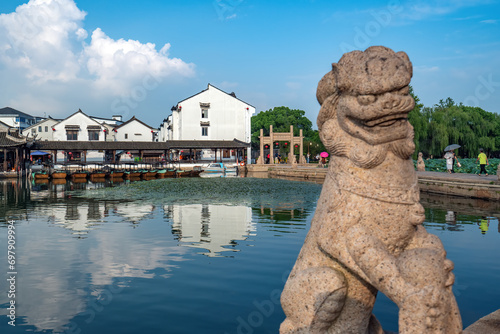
(116, 174)
(195, 172)
(58, 175)
(79, 175)
(132, 174)
(150, 174)
(216, 167)
(160, 173)
(41, 175)
(98, 174)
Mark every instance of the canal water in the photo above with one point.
(193, 255)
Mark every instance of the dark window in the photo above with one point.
(126, 136)
(71, 134)
(93, 134)
(46, 129)
(39, 129)
(204, 131)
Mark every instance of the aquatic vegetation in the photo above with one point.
(467, 166)
(266, 192)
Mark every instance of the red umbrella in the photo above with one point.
(324, 154)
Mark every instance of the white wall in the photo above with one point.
(45, 133)
(80, 119)
(134, 131)
(229, 117)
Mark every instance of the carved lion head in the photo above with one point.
(365, 104)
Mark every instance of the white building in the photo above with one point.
(78, 127)
(134, 130)
(41, 130)
(211, 114)
(16, 118)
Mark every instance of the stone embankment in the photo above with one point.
(458, 184)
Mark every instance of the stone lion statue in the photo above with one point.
(367, 235)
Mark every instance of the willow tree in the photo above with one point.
(420, 124)
(448, 123)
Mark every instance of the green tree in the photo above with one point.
(420, 123)
(281, 118)
(448, 123)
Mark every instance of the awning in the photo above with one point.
(72, 127)
(40, 153)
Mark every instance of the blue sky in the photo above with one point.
(141, 57)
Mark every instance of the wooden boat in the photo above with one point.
(98, 174)
(58, 175)
(116, 174)
(181, 173)
(160, 173)
(171, 173)
(41, 175)
(151, 173)
(132, 174)
(79, 175)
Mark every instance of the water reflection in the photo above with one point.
(76, 249)
(171, 251)
(213, 228)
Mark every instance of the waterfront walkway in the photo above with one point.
(457, 184)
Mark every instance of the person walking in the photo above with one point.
(453, 162)
(449, 161)
(483, 161)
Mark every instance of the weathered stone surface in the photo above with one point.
(489, 324)
(420, 162)
(366, 235)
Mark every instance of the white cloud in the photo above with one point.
(36, 38)
(490, 21)
(44, 45)
(117, 64)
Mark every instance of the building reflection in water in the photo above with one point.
(76, 249)
(211, 227)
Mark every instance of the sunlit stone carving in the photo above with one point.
(367, 234)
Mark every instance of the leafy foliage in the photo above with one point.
(448, 123)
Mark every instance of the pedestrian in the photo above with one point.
(483, 161)
(455, 159)
(449, 161)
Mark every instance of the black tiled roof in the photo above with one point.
(12, 111)
(11, 140)
(137, 145)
